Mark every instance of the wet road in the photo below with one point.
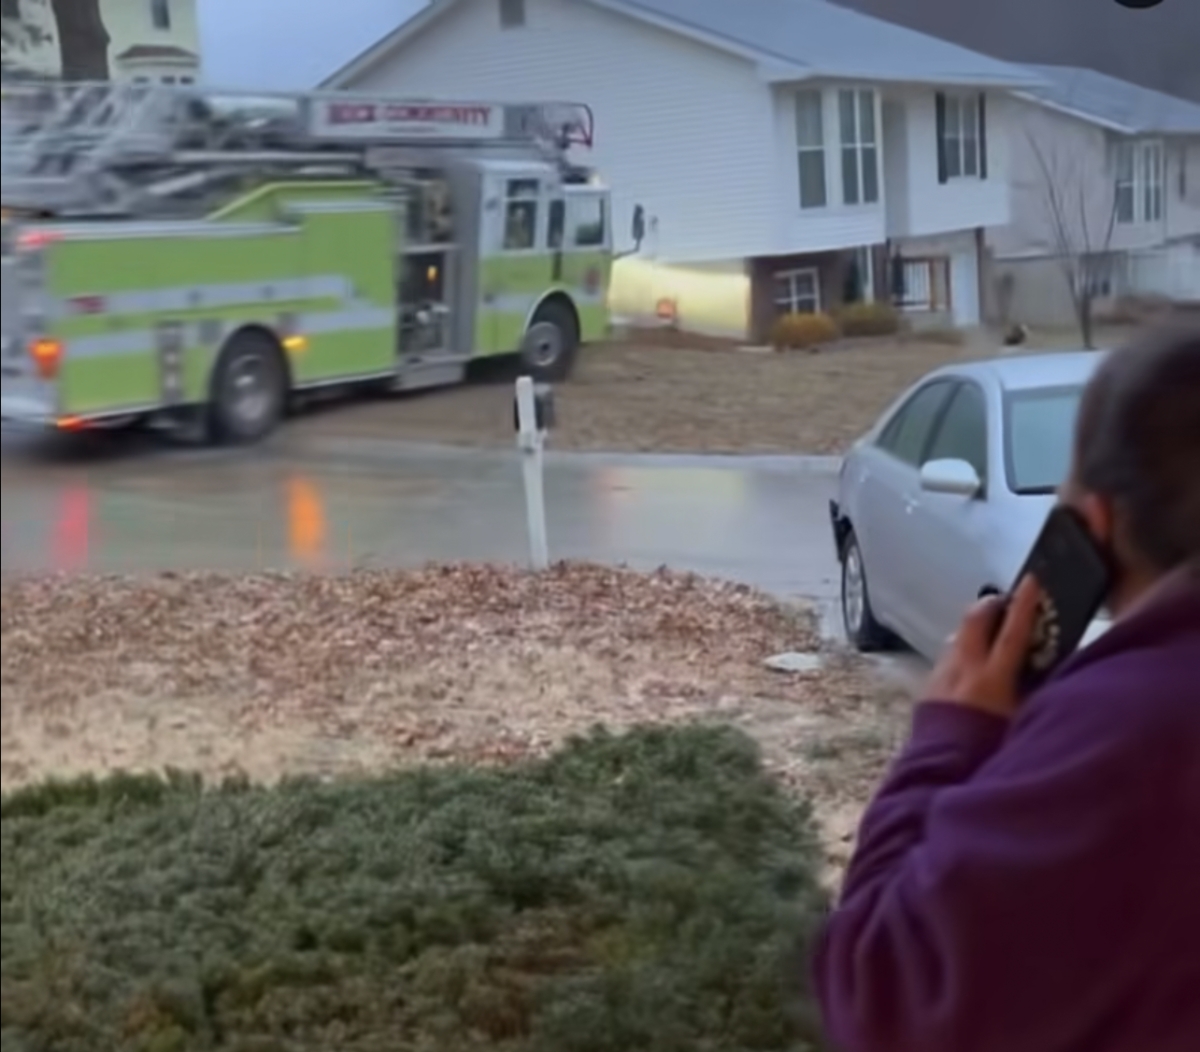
(314, 500)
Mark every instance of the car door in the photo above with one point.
(887, 489)
(948, 554)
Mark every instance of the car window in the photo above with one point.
(1040, 430)
(963, 431)
(907, 433)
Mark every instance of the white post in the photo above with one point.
(531, 441)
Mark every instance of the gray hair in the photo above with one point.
(1138, 442)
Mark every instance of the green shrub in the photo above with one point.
(798, 332)
(629, 893)
(868, 319)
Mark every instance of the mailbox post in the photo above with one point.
(533, 417)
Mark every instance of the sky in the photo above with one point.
(273, 44)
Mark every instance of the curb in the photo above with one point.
(774, 463)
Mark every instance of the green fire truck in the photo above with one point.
(173, 254)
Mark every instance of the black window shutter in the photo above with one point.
(983, 147)
(943, 175)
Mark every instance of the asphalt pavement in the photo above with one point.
(311, 499)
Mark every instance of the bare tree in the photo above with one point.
(1079, 208)
(20, 35)
(82, 39)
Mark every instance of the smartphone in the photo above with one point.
(1076, 578)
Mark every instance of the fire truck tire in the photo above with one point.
(551, 342)
(249, 390)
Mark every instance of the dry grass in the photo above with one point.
(633, 397)
(280, 675)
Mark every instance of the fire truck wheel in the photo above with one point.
(551, 343)
(249, 396)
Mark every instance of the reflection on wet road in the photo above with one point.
(325, 503)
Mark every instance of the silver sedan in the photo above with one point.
(940, 502)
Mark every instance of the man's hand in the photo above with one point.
(982, 666)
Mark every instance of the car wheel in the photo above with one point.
(249, 390)
(551, 345)
(863, 631)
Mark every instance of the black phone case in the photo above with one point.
(1075, 579)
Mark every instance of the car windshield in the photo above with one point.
(1039, 433)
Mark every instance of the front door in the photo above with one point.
(583, 265)
(516, 266)
(888, 495)
(953, 529)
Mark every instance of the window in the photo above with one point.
(521, 215)
(1039, 438)
(810, 149)
(962, 139)
(907, 433)
(860, 147)
(588, 221)
(798, 291)
(1140, 182)
(160, 14)
(512, 14)
(962, 434)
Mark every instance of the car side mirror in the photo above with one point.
(954, 478)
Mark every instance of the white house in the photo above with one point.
(787, 153)
(1105, 176)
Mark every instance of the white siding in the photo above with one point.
(818, 229)
(1183, 190)
(684, 130)
(1077, 154)
(960, 204)
(1172, 271)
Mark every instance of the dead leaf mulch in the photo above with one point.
(276, 675)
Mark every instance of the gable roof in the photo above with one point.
(785, 39)
(1117, 105)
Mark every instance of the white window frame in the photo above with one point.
(797, 301)
(811, 149)
(534, 196)
(582, 205)
(962, 144)
(859, 144)
(1140, 181)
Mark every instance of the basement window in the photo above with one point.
(512, 14)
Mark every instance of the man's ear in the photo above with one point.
(1099, 515)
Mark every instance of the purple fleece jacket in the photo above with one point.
(1035, 887)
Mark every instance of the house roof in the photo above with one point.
(1114, 104)
(150, 52)
(786, 39)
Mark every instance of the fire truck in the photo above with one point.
(177, 255)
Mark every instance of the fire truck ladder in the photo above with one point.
(127, 149)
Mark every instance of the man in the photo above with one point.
(1028, 878)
